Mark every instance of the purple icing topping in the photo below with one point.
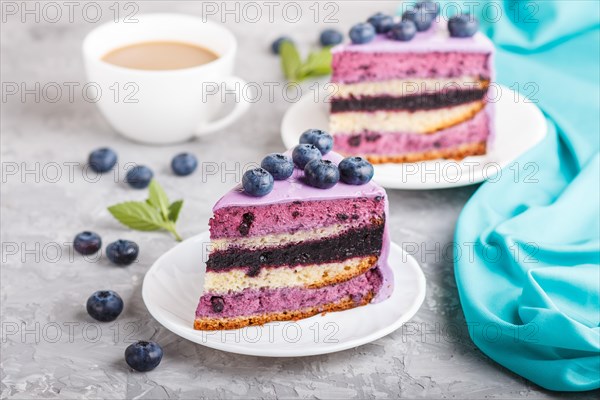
(294, 188)
(437, 38)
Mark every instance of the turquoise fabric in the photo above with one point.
(529, 275)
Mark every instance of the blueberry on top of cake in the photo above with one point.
(410, 95)
(301, 249)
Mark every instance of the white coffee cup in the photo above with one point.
(163, 106)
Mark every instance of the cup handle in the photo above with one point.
(240, 108)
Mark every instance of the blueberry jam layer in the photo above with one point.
(289, 217)
(424, 101)
(261, 301)
(355, 242)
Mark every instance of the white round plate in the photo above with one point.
(519, 125)
(173, 285)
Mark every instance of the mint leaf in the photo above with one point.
(137, 215)
(317, 64)
(174, 209)
(150, 215)
(290, 60)
(158, 198)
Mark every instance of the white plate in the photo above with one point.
(173, 285)
(520, 125)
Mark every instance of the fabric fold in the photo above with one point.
(532, 286)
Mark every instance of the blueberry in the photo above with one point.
(278, 165)
(430, 7)
(184, 164)
(331, 37)
(122, 252)
(104, 305)
(139, 177)
(321, 174)
(462, 26)
(217, 303)
(305, 152)
(355, 171)
(102, 160)
(381, 22)
(403, 31)
(420, 17)
(277, 43)
(318, 138)
(257, 182)
(87, 243)
(362, 33)
(143, 356)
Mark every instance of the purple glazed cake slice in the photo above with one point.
(294, 253)
(414, 100)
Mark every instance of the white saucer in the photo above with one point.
(520, 125)
(173, 285)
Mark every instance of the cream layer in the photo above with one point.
(418, 122)
(310, 276)
(279, 239)
(405, 87)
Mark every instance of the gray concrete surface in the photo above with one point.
(52, 349)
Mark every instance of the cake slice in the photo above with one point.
(420, 99)
(295, 252)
